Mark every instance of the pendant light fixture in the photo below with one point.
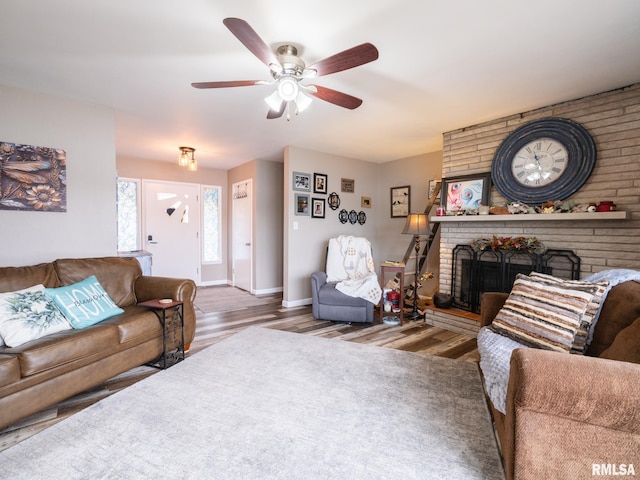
(187, 159)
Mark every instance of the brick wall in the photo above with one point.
(613, 120)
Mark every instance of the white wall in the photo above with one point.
(305, 247)
(87, 134)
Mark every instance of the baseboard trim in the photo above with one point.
(296, 303)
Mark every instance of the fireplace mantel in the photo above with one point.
(532, 217)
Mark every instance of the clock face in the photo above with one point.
(540, 162)
(547, 159)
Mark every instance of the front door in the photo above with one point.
(172, 228)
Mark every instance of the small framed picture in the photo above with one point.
(400, 201)
(301, 204)
(317, 207)
(333, 201)
(467, 192)
(365, 202)
(302, 181)
(319, 183)
(432, 188)
(348, 185)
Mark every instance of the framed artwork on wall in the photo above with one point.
(317, 207)
(400, 201)
(348, 185)
(301, 181)
(301, 204)
(319, 183)
(432, 188)
(32, 178)
(466, 192)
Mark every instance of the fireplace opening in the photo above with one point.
(474, 273)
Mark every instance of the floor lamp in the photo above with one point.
(417, 225)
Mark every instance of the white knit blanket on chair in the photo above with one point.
(359, 278)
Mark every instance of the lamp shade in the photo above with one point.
(416, 224)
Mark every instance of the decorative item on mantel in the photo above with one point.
(523, 244)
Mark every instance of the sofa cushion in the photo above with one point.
(136, 324)
(117, 275)
(65, 347)
(28, 314)
(541, 314)
(626, 346)
(84, 303)
(17, 278)
(9, 370)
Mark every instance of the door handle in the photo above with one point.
(248, 244)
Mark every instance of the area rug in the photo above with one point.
(227, 299)
(267, 404)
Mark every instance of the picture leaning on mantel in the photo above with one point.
(466, 192)
(32, 178)
(400, 201)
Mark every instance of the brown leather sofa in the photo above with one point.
(572, 416)
(43, 372)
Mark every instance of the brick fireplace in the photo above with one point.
(613, 120)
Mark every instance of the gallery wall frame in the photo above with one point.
(320, 183)
(400, 201)
(301, 204)
(317, 207)
(301, 181)
(347, 185)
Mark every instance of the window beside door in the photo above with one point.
(211, 251)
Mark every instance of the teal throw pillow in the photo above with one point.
(84, 303)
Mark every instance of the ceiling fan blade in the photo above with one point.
(345, 60)
(250, 39)
(277, 113)
(335, 97)
(237, 83)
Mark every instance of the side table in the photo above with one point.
(171, 316)
(386, 268)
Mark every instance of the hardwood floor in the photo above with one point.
(215, 327)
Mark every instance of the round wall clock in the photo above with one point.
(548, 159)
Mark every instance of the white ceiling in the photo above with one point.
(444, 64)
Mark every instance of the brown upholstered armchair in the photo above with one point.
(571, 416)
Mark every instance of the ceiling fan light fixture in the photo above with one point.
(274, 101)
(288, 88)
(302, 102)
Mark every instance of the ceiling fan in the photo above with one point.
(289, 70)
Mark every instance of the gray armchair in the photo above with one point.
(330, 304)
(348, 258)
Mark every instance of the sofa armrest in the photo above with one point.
(184, 290)
(567, 413)
(490, 305)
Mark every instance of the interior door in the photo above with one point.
(172, 228)
(242, 232)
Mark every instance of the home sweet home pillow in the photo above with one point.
(84, 303)
(543, 314)
(28, 314)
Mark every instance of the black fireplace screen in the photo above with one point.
(474, 273)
